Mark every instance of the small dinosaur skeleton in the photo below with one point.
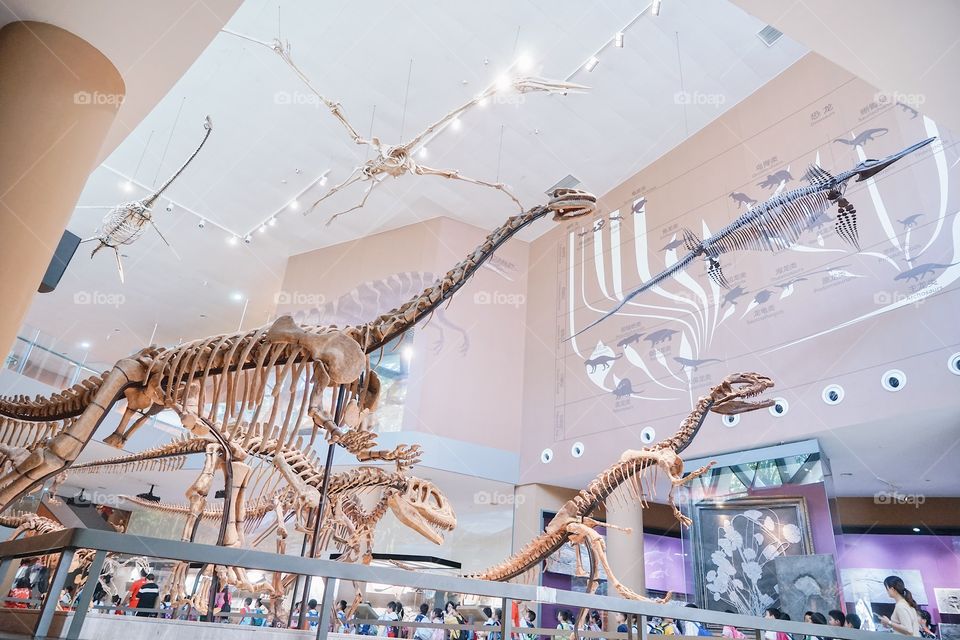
(125, 223)
(28, 523)
(573, 523)
(284, 375)
(396, 160)
(774, 224)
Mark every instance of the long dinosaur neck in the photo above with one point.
(689, 428)
(149, 200)
(394, 323)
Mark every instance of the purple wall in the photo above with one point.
(936, 557)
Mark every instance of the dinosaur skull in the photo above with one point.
(871, 167)
(424, 508)
(730, 396)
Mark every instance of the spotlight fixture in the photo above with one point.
(503, 83)
(455, 124)
(577, 449)
(483, 102)
(730, 420)
(236, 296)
(655, 7)
(263, 228)
(127, 186)
(423, 152)
(84, 345)
(618, 40)
(524, 62)
(591, 64)
(894, 380)
(149, 496)
(779, 408)
(407, 353)
(169, 207)
(273, 221)
(916, 529)
(294, 204)
(953, 364)
(648, 435)
(546, 456)
(248, 239)
(323, 180)
(232, 240)
(832, 394)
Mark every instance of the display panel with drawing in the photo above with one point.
(735, 545)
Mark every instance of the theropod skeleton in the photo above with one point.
(125, 223)
(632, 472)
(774, 224)
(283, 376)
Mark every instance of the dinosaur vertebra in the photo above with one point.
(225, 378)
(775, 224)
(23, 522)
(573, 522)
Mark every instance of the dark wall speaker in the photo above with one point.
(58, 263)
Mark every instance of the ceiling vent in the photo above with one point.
(569, 182)
(769, 35)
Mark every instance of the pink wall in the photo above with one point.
(936, 557)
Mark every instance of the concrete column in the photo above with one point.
(58, 97)
(625, 551)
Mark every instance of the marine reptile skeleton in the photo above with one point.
(632, 472)
(775, 224)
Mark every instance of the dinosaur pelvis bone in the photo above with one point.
(341, 357)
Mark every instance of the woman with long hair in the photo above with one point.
(906, 614)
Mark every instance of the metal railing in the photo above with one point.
(68, 541)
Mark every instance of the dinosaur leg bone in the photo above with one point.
(679, 482)
(197, 492)
(421, 170)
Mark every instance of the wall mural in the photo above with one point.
(667, 343)
(807, 583)
(948, 600)
(867, 584)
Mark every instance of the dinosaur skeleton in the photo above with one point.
(396, 160)
(774, 224)
(28, 523)
(125, 223)
(216, 384)
(632, 473)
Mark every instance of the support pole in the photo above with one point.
(323, 625)
(86, 595)
(49, 605)
(318, 521)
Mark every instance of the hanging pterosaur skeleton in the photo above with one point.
(125, 223)
(774, 224)
(396, 160)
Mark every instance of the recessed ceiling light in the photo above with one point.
(524, 62)
(423, 152)
(236, 296)
(231, 240)
(84, 345)
(456, 124)
(407, 353)
(126, 185)
(916, 529)
(272, 222)
(294, 205)
(591, 64)
(263, 228)
(503, 83)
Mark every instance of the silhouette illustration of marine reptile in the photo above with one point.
(742, 199)
(775, 179)
(732, 295)
(863, 137)
(762, 296)
(786, 213)
(908, 109)
(600, 361)
(617, 217)
(919, 272)
(662, 335)
(910, 221)
(672, 245)
(638, 206)
(623, 389)
(630, 339)
(694, 364)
